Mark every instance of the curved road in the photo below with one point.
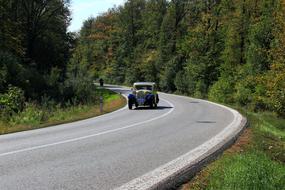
(108, 151)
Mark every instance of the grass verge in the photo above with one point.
(34, 117)
(255, 161)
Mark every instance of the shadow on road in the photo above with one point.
(206, 122)
(158, 108)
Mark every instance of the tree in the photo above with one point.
(34, 41)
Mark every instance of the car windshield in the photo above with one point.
(143, 87)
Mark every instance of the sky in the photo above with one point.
(83, 9)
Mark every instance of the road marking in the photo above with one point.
(170, 169)
(90, 136)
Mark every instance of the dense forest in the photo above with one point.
(35, 52)
(229, 51)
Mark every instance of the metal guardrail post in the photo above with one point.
(101, 104)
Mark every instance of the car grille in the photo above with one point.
(140, 94)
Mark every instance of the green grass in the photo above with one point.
(258, 165)
(108, 95)
(35, 116)
(268, 136)
(247, 171)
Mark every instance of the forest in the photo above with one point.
(36, 73)
(228, 51)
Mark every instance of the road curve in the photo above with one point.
(112, 150)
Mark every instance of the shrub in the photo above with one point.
(181, 82)
(168, 75)
(247, 92)
(201, 89)
(12, 101)
(271, 89)
(275, 84)
(3, 76)
(222, 91)
(243, 94)
(10, 70)
(79, 86)
(31, 115)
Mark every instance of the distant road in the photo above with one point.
(109, 151)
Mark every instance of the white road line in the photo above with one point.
(90, 136)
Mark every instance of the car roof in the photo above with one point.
(144, 83)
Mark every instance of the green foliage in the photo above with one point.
(260, 37)
(243, 94)
(215, 49)
(245, 89)
(31, 45)
(181, 82)
(226, 50)
(11, 71)
(35, 49)
(269, 134)
(222, 91)
(11, 101)
(10, 33)
(50, 112)
(274, 83)
(79, 86)
(3, 74)
(31, 115)
(167, 77)
(248, 171)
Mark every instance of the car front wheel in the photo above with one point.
(151, 105)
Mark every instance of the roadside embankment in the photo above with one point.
(255, 161)
(39, 116)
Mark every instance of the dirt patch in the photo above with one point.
(114, 105)
(242, 142)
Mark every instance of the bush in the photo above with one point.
(222, 91)
(168, 75)
(243, 94)
(12, 101)
(31, 115)
(201, 89)
(3, 76)
(10, 71)
(271, 89)
(247, 92)
(181, 82)
(79, 86)
(275, 84)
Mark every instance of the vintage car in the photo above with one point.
(143, 94)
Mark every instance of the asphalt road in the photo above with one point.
(108, 151)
